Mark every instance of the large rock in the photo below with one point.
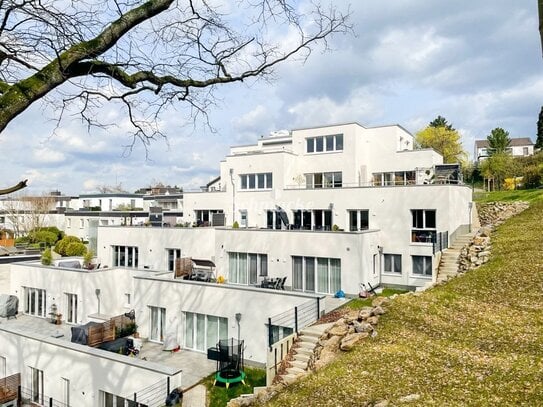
(340, 329)
(326, 357)
(380, 301)
(350, 340)
(378, 310)
(362, 327)
(373, 320)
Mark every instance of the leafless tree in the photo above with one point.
(25, 213)
(146, 56)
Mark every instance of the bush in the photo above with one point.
(87, 258)
(22, 240)
(39, 236)
(47, 257)
(235, 225)
(76, 249)
(62, 245)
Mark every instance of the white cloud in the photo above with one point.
(47, 155)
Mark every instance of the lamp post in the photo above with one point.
(238, 319)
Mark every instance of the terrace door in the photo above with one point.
(158, 324)
(36, 385)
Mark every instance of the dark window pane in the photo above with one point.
(319, 144)
(339, 141)
(261, 178)
(364, 220)
(251, 181)
(353, 221)
(269, 182)
(317, 179)
(430, 219)
(329, 143)
(310, 145)
(338, 179)
(243, 181)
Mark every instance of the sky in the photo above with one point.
(477, 63)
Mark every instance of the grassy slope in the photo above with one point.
(477, 340)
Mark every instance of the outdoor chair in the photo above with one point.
(281, 285)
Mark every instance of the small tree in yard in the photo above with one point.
(498, 141)
(47, 257)
(446, 142)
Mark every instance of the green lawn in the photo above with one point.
(529, 195)
(477, 340)
(218, 395)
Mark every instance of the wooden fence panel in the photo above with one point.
(8, 387)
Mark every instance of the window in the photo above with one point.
(324, 180)
(276, 218)
(319, 272)
(422, 266)
(127, 300)
(424, 225)
(112, 400)
(204, 331)
(71, 308)
(243, 218)
(35, 301)
(81, 223)
(205, 216)
(358, 220)
(333, 142)
(36, 386)
(245, 268)
(158, 324)
(125, 256)
(302, 219)
(524, 150)
(173, 255)
(262, 180)
(394, 178)
(393, 263)
(69, 223)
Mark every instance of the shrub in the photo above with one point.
(235, 225)
(62, 245)
(39, 236)
(75, 249)
(87, 257)
(47, 257)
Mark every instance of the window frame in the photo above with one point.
(426, 265)
(328, 143)
(394, 260)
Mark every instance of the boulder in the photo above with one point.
(378, 311)
(409, 398)
(363, 327)
(327, 356)
(373, 320)
(350, 340)
(339, 329)
(379, 301)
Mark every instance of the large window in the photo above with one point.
(332, 142)
(302, 219)
(393, 263)
(424, 225)
(204, 331)
(422, 266)
(71, 308)
(394, 178)
(358, 220)
(275, 219)
(324, 180)
(319, 274)
(245, 268)
(173, 255)
(125, 256)
(36, 386)
(256, 181)
(35, 301)
(158, 324)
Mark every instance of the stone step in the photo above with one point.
(289, 378)
(299, 364)
(448, 268)
(313, 332)
(294, 370)
(302, 357)
(304, 351)
(310, 339)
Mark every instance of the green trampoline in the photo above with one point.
(229, 356)
(229, 377)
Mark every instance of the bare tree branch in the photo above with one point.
(145, 56)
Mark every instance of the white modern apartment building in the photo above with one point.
(328, 208)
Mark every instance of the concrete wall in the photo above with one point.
(255, 305)
(88, 370)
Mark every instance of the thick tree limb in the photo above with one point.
(14, 188)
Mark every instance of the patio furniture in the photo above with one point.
(281, 285)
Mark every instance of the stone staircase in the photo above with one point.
(448, 265)
(308, 340)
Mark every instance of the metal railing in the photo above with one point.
(293, 320)
(37, 398)
(151, 396)
(9, 387)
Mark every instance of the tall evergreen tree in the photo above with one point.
(440, 121)
(539, 140)
(498, 141)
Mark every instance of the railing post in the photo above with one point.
(135, 398)
(270, 336)
(296, 320)
(318, 308)
(19, 396)
(168, 385)
(50, 401)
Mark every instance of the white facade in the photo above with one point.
(518, 147)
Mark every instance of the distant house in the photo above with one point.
(521, 146)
